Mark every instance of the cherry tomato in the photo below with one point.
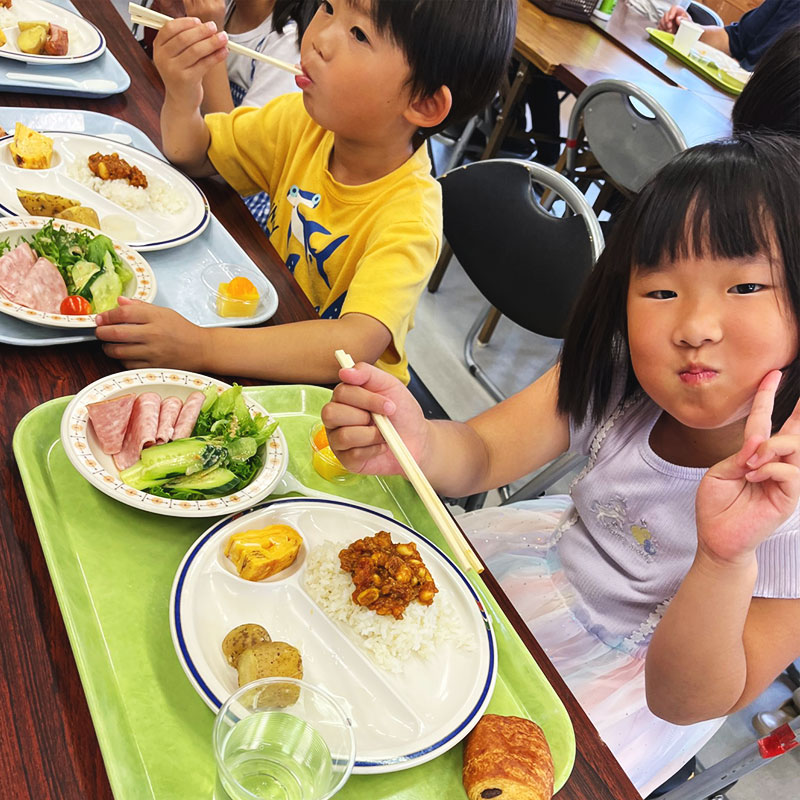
(75, 304)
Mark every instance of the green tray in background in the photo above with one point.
(112, 568)
(711, 72)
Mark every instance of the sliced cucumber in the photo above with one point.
(212, 482)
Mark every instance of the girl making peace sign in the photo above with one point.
(666, 588)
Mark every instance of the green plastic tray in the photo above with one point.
(711, 72)
(112, 568)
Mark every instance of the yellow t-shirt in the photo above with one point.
(366, 249)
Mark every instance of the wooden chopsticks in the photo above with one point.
(441, 516)
(146, 17)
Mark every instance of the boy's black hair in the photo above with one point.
(462, 44)
(298, 11)
(770, 100)
(728, 199)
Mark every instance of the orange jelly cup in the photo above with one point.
(324, 459)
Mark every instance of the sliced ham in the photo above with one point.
(14, 268)
(142, 429)
(185, 423)
(110, 419)
(43, 288)
(170, 408)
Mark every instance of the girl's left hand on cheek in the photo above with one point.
(744, 498)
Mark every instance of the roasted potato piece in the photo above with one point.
(27, 24)
(272, 660)
(41, 204)
(82, 214)
(32, 40)
(3, 39)
(241, 638)
(31, 150)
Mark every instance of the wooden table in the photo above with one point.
(578, 54)
(49, 748)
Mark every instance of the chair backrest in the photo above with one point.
(628, 130)
(528, 263)
(703, 15)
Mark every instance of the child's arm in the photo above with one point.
(143, 335)
(184, 51)
(717, 647)
(509, 440)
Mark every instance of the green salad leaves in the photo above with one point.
(220, 457)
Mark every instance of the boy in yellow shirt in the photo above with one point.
(356, 215)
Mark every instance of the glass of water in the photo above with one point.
(282, 739)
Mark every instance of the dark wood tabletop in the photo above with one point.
(49, 748)
(627, 29)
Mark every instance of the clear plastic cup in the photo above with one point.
(687, 36)
(324, 459)
(218, 278)
(282, 739)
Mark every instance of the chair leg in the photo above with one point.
(440, 268)
(469, 357)
(506, 116)
(721, 774)
(487, 330)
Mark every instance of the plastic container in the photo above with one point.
(217, 278)
(687, 36)
(324, 460)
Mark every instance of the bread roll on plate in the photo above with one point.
(507, 758)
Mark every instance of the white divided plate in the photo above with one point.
(400, 720)
(145, 228)
(141, 287)
(86, 42)
(83, 450)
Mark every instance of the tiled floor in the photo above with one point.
(513, 358)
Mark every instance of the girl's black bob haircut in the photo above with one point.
(462, 44)
(728, 199)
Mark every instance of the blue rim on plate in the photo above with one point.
(364, 767)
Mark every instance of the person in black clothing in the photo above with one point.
(747, 39)
(771, 99)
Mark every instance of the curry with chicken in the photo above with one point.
(112, 167)
(387, 576)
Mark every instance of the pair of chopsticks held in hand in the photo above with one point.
(147, 18)
(441, 516)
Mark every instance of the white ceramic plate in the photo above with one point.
(86, 42)
(401, 720)
(141, 287)
(82, 449)
(150, 227)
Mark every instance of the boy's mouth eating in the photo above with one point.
(302, 81)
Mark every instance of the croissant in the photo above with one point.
(507, 758)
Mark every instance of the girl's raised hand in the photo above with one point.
(744, 498)
(365, 390)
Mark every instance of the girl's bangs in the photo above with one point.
(711, 213)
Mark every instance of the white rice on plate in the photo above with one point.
(389, 641)
(157, 197)
(8, 17)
